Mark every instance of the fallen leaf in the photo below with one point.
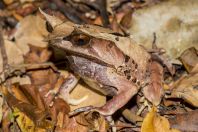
(131, 116)
(154, 91)
(189, 58)
(25, 123)
(93, 98)
(185, 122)
(7, 2)
(12, 51)
(23, 1)
(72, 126)
(93, 121)
(156, 123)
(34, 117)
(30, 30)
(37, 54)
(186, 88)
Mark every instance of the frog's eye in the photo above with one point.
(80, 39)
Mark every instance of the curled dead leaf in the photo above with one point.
(156, 123)
(186, 121)
(186, 88)
(31, 30)
(189, 58)
(154, 91)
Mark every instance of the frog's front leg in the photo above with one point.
(63, 88)
(68, 85)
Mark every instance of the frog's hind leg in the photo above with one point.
(63, 91)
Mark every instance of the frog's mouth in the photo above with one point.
(57, 44)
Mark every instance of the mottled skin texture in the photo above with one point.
(99, 62)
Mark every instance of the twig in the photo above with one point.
(3, 51)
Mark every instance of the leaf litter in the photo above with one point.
(30, 69)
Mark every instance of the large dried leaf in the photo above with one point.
(189, 58)
(156, 123)
(8, 1)
(12, 51)
(173, 21)
(185, 122)
(72, 126)
(32, 115)
(154, 91)
(25, 123)
(186, 88)
(93, 121)
(93, 98)
(31, 30)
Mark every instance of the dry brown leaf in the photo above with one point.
(31, 30)
(37, 55)
(12, 51)
(156, 123)
(94, 98)
(23, 1)
(33, 116)
(126, 20)
(93, 121)
(189, 58)
(72, 126)
(25, 123)
(131, 116)
(186, 88)
(21, 80)
(7, 2)
(185, 122)
(154, 91)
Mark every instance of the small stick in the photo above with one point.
(3, 51)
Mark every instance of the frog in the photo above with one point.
(108, 62)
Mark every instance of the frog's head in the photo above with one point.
(84, 41)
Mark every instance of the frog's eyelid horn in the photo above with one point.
(52, 20)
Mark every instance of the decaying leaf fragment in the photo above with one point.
(154, 91)
(30, 30)
(28, 115)
(93, 121)
(189, 58)
(185, 122)
(156, 123)
(186, 88)
(25, 123)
